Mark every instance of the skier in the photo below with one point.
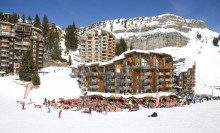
(60, 113)
(106, 109)
(23, 104)
(48, 108)
(90, 110)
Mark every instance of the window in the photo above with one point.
(27, 29)
(4, 27)
(143, 62)
(157, 62)
(19, 27)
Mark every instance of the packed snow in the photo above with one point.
(200, 117)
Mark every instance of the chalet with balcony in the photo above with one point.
(133, 72)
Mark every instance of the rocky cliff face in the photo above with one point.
(157, 40)
(150, 32)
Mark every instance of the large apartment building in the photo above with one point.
(133, 72)
(15, 39)
(97, 46)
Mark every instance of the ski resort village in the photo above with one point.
(139, 74)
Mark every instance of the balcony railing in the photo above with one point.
(146, 87)
(4, 55)
(4, 65)
(146, 74)
(147, 80)
(3, 33)
(4, 50)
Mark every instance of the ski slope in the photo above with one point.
(200, 117)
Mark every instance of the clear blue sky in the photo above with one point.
(86, 12)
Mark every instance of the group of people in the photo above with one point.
(101, 105)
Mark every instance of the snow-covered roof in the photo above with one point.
(106, 63)
(122, 56)
(91, 64)
(37, 28)
(151, 95)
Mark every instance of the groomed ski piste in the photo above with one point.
(199, 117)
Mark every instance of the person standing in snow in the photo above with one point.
(106, 109)
(60, 113)
(48, 108)
(23, 104)
(90, 110)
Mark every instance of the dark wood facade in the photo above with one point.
(137, 72)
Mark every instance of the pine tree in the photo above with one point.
(53, 43)
(124, 45)
(117, 49)
(13, 18)
(29, 19)
(1, 16)
(23, 18)
(27, 67)
(131, 47)
(125, 24)
(45, 32)
(120, 47)
(36, 79)
(37, 22)
(112, 27)
(215, 41)
(71, 37)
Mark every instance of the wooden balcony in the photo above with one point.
(5, 44)
(95, 80)
(110, 89)
(110, 73)
(147, 80)
(7, 34)
(168, 85)
(160, 86)
(18, 57)
(146, 74)
(167, 79)
(4, 55)
(4, 50)
(148, 87)
(160, 73)
(4, 65)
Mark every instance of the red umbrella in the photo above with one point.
(140, 99)
(61, 99)
(124, 99)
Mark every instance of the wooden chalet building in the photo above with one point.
(134, 72)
